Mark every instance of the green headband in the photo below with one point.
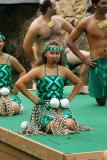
(2, 37)
(53, 48)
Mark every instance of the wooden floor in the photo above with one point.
(16, 147)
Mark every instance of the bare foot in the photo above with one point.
(84, 90)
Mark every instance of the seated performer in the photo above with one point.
(10, 103)
(51, 113)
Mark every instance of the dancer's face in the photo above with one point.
(53, 57)
(2, 44)
(102, 6)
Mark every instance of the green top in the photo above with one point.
(6, 80)
(5, 76)
(50, 86)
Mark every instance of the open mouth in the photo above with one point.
(54, 61)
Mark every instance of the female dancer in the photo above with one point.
(51, 112)
(9, 101)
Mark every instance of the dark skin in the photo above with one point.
(96, 37)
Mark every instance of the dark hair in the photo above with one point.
(44, 6)
(43, 59)
(95, 1)
(90, 8)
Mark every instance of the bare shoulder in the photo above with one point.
(63, 68)
(11, 58)
(37, 69)
(6, 55)
(83, 23)
(66, 72)
(35, 24)
(87, 19)
(58, 17)
(65, 24)
(13, 61)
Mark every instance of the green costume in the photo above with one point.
(6, 80)
(98, 79)
(50, 87)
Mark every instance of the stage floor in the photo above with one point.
(84, 110)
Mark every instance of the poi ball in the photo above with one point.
(64, 103)
(4, 91)
(54, 102)
(24, 125)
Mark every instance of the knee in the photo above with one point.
(101, 101)
(70, 123)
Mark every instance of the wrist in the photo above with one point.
(35, 100)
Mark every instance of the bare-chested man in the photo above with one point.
(49, 26)
(95, 28)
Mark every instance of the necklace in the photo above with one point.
(51, 23)
(102, 24)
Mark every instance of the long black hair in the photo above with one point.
(95, 1)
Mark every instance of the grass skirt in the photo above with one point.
(56, 117)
